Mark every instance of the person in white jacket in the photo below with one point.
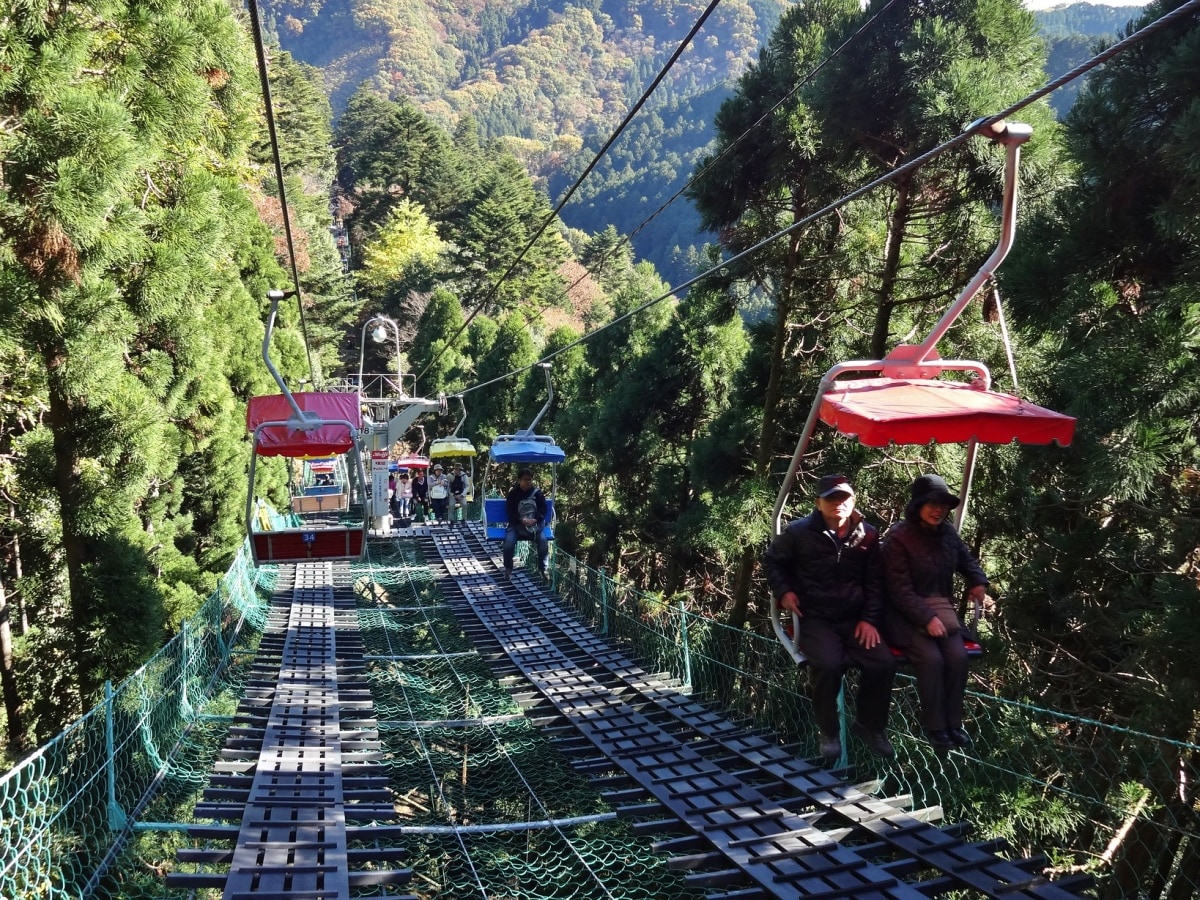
(439, 493)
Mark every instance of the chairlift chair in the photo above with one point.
(526, 447)
(910, 403)
(411, 461)
(305, 426)
(453, 446)
(322, 486)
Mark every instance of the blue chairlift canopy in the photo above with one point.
(526, 448)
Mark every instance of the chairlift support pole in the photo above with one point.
(545, 367)
(301, 417)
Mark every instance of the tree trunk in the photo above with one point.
(8, 680)
(66, 458)
(897, 226)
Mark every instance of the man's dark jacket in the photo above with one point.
(513, 502)
(839, 581)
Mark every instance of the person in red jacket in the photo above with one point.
(826, 569)
(921, 555)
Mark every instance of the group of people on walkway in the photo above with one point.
(438, 496)
(858, 595)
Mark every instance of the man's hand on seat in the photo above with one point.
(867, 634)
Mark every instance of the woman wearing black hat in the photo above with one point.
(920, 556)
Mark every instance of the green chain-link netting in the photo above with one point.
(493, 810)
(65, 809)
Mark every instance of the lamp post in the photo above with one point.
(379, 327)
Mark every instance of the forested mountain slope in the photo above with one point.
(553, 78)
(1073, 34)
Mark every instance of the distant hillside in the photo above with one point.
(553, 79)
(1091, 19)
(1073, 33)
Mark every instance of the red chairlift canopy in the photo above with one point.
(335, 409)
(412, 461)
(879, 411)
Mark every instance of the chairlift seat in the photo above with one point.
(527, 448)
(329, 428)
(974, 650)
(880, 411)
(303, 544)
(271, 419)
(495, 517)
(442, 448)
(411, 461)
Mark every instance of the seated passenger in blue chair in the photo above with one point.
(460, 486)
(527, 509)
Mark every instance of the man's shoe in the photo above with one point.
(508, 574)
(876, 741)
(959, 737)
(830, 747)
(940, 740)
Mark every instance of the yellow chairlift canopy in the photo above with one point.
(450, 446)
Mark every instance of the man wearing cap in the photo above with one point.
(460, 486)
(826, 569)
(921, 554)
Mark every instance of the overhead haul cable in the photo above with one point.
(729, 148)
(975, 128)
(261, 53)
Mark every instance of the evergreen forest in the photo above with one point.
(141, 228)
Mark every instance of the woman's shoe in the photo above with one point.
(959, 737)
(940, 740)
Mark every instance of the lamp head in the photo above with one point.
(379, 333)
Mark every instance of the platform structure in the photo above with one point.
(300, 770)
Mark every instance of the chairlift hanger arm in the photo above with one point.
(463, 419)
(1011, 135)
(545, 367)
(276, 296)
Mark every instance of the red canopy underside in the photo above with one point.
(412, 462)
(285, 440)
(880, 411)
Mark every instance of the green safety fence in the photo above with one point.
(1093, 797)
(69, 810)
(491, 808)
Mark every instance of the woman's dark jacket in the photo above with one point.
(839, 581)
(920, 562)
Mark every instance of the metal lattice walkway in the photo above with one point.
(299, 769)
(754, 818)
